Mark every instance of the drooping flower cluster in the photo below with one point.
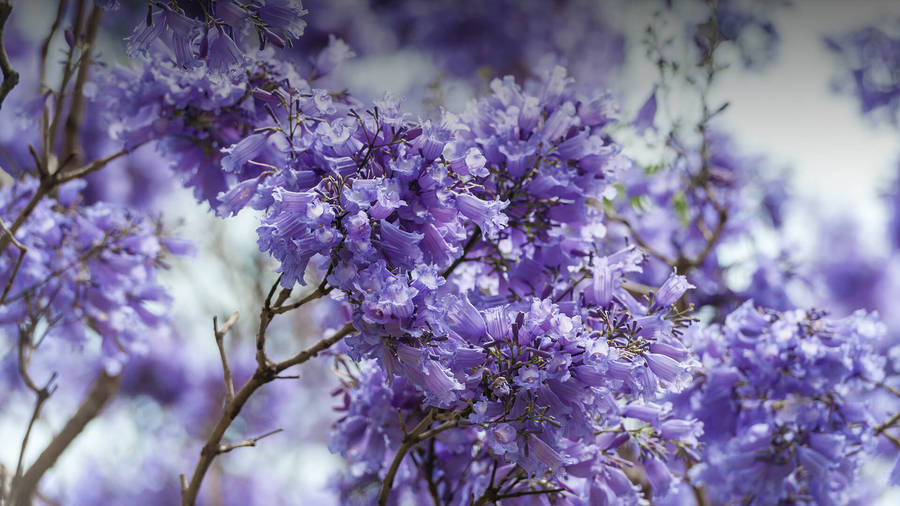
(217, 33)
(534, 399)
(87, 270)
(500, 318)
(783, 401)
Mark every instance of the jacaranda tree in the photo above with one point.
(529, 299)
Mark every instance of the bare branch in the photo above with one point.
(315, 349)
(264, 374)
(15, 271)
(225, 448)
(411, 440)
(45, 47)
(888, 424)
(50, 183)
(103, 389)
(220, 343)
(95, 165)
(530, 492)
(7, 238)
(321, 291)
(70, 144)
(265, 317)
(42, 395)
(69, 67)
(10, 76)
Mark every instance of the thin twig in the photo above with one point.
(225, 448)
(49, 184)
(888, 424)
(529, 492)
(72, 128)
(263, 375)
(265, 317)
(68, 68)
(315, 349)
(103, 389)
(411, 440)
(10, 76)
(15, 271)
(95, 165)
(7, 238)
(220, 343)
(42, 395)
(45, 46)
(321, 291)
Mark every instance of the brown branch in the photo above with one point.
(49, 184)
(15, 271)
(72, 129)
(320, 291)
(103, 389)
(220, 343)
(429, 474)
(10, 76)
(95, 165)
(888, 424)
(411, 440)
(315, 349)
(68, 69)
(45, 47)
(225, 448)
(265, 317)
(3, 479)
(263, 375)
(39, 194)
(42, 395)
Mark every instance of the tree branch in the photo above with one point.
(45, 47)
(103, 389)
(10, 76)
(22, 250)
(72, 128)
(42, 395)
(225, 448)
(264, 374)
(315, 349)
(411, 440)
(220, 343)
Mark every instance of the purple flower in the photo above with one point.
(672, 290)
(488, 215)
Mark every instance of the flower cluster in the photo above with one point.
(782, 398)
(499, 322)
(536, 401)
(217, 33)
(86, 270)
